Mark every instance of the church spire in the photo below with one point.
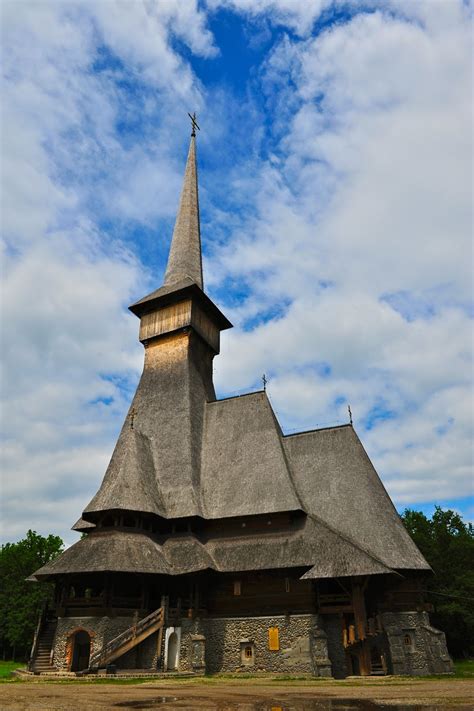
(185, 258)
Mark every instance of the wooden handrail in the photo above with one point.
(101, 656)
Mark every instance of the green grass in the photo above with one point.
(463, 669)
(6, 668)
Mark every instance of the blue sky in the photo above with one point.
(335, 185)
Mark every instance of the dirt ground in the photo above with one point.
(427, 695)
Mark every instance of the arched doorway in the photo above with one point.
(81, 651)
(173, 652)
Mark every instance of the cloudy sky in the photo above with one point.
(335, 183)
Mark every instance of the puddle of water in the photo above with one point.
(288, 704)
(146, 703)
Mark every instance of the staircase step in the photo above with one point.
(42, 660)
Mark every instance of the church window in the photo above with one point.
(237, 587)
(407, 640)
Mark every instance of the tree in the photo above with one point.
(447, 543)
(20, 600)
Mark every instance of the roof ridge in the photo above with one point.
(319, 429)
(285, 458)
(234, 397)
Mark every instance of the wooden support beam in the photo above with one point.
(360, 617)
(359, 611)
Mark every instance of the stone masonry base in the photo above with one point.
(415, 647)
(306, 644)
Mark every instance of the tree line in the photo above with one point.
(446, 541)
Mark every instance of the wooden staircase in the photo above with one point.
(41, 660)
(129, 639)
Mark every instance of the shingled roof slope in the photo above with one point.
(247, 467)
(338, 483)
(138, 552)
(156, 463)
(244, 469)
(130, 478)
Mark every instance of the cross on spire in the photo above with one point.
(194, 124)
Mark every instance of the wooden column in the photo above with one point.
(360, 617)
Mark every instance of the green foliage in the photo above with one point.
(22, 601)
(447, 543)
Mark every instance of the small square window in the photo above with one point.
(247, 653)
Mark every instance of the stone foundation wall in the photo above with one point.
(415, 647)
(102, 630)
(220, 643)
(337, 654)
(308, 644)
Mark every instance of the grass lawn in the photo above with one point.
(6, 668)
(463, 669)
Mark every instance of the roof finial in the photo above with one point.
(194, 124)
(264, 381)
(350, 414)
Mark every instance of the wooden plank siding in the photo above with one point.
(176, 316)
(260, 595)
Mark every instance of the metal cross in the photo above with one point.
(264, 381)
(350, 414)
(193, 123)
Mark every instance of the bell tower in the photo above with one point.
(156, 464)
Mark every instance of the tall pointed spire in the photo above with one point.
(185, 258)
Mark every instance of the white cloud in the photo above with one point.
(363, 225)
(352, 238)
(70, 349)
(299, 15)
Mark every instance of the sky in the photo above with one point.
(336, 217)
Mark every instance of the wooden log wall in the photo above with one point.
(176, 316)
(260, 594)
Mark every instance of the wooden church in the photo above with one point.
(217, 543)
